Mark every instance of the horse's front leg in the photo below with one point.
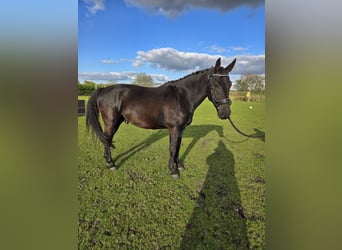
(180, 165)
(174, 134)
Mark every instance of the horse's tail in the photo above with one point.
(92, 117)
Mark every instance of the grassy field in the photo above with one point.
(218, 203)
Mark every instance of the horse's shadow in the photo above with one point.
(196, 132)
(218, 220)
(260, 133)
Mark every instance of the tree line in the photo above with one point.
(250, 82)
(88, 87)
(251, 87)
(247, 83)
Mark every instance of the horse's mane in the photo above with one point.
(189, 75)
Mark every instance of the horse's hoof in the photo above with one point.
(110, 164)
(114, 168)
(180, 165)
(175, 176)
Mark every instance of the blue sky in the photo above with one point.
(168, 39)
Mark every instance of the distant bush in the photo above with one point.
(86, 89)
(241, 96)
(103, 85)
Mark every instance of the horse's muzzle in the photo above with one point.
(223, 113)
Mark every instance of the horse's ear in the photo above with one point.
(218, 64)
(230, 66)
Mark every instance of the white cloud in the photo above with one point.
(118, 76)
(173, 60)
(94, 5)
(160, 78)
(239, 48)
(249, 64)
(107, 76)
(217, 49)
(109, 61)
(175, 7)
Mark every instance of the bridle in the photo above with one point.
(217, 102)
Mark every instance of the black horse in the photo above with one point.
(170, 106)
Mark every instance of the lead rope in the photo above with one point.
(242, 133)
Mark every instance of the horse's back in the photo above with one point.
(145, 107)
(132, 91)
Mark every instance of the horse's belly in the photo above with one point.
(154, 116)
(146, 121)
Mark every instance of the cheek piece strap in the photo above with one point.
(217, 102)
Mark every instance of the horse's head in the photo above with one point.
(219, 85)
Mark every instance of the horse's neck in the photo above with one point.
(196, 88)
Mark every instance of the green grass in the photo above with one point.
(218, 203)
(83, 98)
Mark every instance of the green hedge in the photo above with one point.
(241, 96)
(85, 89)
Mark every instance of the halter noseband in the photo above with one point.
(222, 101)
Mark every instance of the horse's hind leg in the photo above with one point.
(110, 129)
